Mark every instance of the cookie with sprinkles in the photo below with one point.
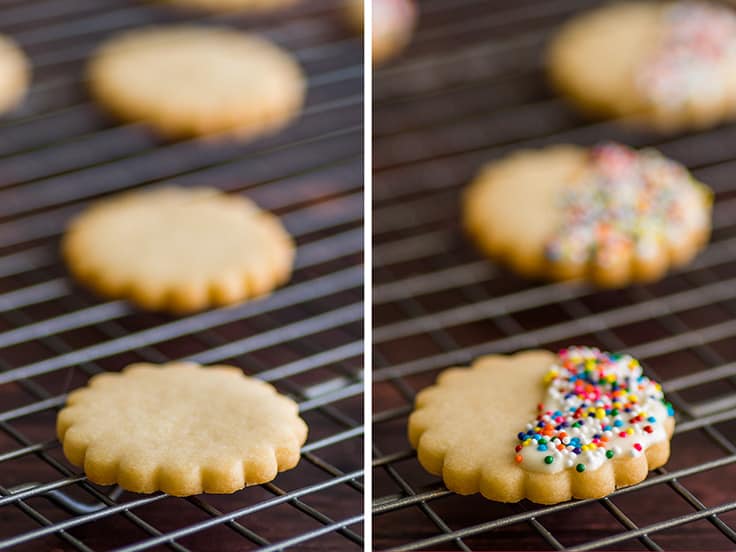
(609, 214)
(540, 426)
(668, 65)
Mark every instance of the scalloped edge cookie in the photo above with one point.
(180, 428)
(471, 459)
(92, 243)
(536, 178)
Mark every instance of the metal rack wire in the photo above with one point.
(471, 88)
(57, 153)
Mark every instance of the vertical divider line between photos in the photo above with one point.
(368, 272)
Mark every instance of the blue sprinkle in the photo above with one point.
(651, 419)
(542, 448)
(521, 436)
(618, 423)
(577, 450)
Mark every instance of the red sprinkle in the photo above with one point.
(637, 446)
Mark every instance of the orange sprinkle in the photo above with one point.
(519, 458)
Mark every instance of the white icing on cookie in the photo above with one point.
(598, 406)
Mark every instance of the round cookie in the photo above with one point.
(541, 426)
(180, 428)
(257, 6)
(15, 74)
(393, 25)
(609, 214)
(665, 65)
(178, 249)
(188, 80)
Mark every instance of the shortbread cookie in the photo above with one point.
(393, 25)
(187, 80)
(15, 74)
(545, 427)
(180, 428)
(178, 249)
(610, 214)
(234, 5)
(668, 65)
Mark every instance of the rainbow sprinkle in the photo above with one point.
(699, 41)
(598, 406)
(627, 202)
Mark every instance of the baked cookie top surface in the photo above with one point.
(608, 213)
(191, 80)
(14, 73)
(542, 426)
(180, 428)
(671, 64)
(178, 249)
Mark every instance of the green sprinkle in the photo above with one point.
(542, 441)
(580, 468)
(609, 454)
(548, 459)
(614, 412)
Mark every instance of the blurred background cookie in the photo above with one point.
(14, 74)
(667, 65)
(189, 80)
(393, 25)
(609, 214)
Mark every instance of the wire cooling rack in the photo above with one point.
(470, 89)
(57, 153)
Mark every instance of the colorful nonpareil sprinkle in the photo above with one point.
(695, 54)
(598, 406)
(627, 203)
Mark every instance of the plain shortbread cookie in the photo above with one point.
(520, 208)
(178, 249)
(180, 428)
(669, 65)
(188, 80)
(467, 426)
(15, 74)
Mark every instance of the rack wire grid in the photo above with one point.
(58, 152)
(471, 88)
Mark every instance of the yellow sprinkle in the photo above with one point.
(630, 430)
(527, 442)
